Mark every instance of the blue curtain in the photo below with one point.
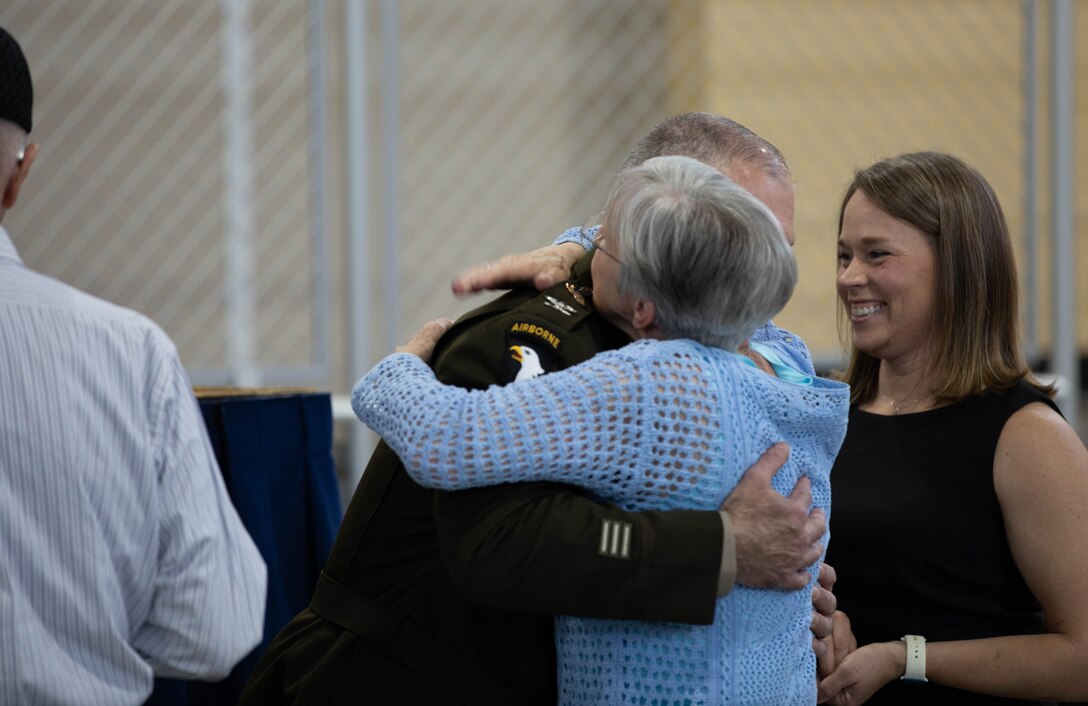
(275, 453)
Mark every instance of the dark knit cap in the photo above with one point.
(16, 91)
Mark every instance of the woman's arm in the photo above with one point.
(1041, 480)
(535, 429)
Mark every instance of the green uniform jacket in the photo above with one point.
(448, 598)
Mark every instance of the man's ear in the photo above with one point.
(15, 181)
(644, 318)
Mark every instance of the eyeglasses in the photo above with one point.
(593, 233)
(597, 240)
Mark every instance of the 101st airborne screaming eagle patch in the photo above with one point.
(530, 350)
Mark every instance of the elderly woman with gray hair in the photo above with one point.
(690, 265)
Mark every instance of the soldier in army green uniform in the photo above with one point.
(448, 598)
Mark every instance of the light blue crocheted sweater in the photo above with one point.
(656, 424)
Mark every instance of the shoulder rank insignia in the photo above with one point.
(530, 350)
(561, 307)
(615, 539)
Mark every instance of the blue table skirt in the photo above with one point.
(275, 453)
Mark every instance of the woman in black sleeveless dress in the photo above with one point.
(960, 496)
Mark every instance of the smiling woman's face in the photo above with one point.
(886, 280)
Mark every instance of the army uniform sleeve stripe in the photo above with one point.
(615, 539)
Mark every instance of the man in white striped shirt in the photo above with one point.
(121, 556)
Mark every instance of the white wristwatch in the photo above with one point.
(916, 659)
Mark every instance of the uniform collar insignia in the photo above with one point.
(561, 307)
(576, 294)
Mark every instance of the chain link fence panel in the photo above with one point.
(151, 151)
(172, 129)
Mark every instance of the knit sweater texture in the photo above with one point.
(653, 425)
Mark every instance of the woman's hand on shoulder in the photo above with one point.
(540, 268)
(422, 342)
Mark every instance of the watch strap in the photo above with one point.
(916, 659)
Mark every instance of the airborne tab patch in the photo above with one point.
(538, 331)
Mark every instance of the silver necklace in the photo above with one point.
(897, 407)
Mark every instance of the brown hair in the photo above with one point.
(976, 315)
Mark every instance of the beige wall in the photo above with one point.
(838, 84)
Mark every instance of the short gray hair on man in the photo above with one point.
(711, 139)
(709, 255)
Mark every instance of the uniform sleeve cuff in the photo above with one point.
(727, 575)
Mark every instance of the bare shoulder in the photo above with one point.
(1037, 446)
(1035, 429)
